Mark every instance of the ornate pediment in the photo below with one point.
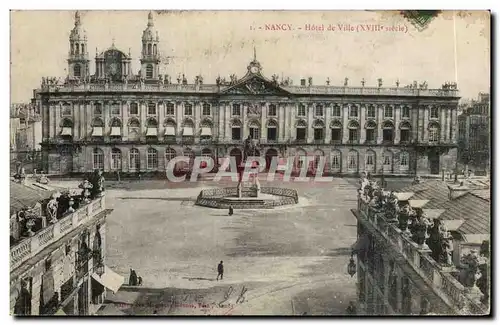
(255, 86)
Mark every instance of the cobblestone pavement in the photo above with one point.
(287, 261)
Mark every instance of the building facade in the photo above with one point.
(57, 268)
(428, 265)
(474, 134)
(115, 120)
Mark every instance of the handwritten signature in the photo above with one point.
(239, 300)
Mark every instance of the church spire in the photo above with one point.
(77, 19)
(254, 54)
(150, 19)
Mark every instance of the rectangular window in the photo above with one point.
(388, 135)
(404, 160)
(170, 110)
(236, 110)
(254, 133)
(434, 112)
(115, 109)
(353, 162)
(335, 162)
(336, 135)
(406, 112)
(405, 135)
(353, 135)
(318, 134)
(336, 111)
(370, 112)
(151, 109)
(188, 109)
(206, 110)
(301, 134)
(369, 160)
(236, 133)
(134, 109)
(433, 135)
(272, 110)
(370, 135)
(301, 111)
(354, 111)
(271, 134)
(388, 111)
(319, 110)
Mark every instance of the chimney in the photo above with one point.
(302, 82)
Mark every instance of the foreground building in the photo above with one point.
(58, 267)
(431, 265)
(474, 135)
(115, 120)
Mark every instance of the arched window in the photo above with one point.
(116, 126)
(353, 127)
(272, 130)
(352, 161)
(388, 131)
(116, 159)
(404, 160)
(152, 128)
(388, 110)
(134, 159)
(134, 123)
(97, 127)
(336, 127)
(301, 129)
(72, 46)
(236, 130)
(336, 160)
(319, 130)
(371, 128)
(206, 129)
(188, 109)
(370, 161)
(318, 110)
(98, 122)
(353, 112)
(155, 50)
(83, 49)
(151, 108)
(67, 127)
(433, 132)
(317, 156)
(254, 129)
(370, 111)
(169, 154)
(77, 48)
(77, 71)
(149, 49)
(152, 158)
(98, 159)
(149, 71)
(300, 158)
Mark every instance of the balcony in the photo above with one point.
(352, 142)
(437, 277)
(370, 142)
(335, 141)
(31, 246)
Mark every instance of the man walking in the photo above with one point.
(220, 271)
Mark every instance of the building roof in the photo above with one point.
(473, 207)
(22, 196)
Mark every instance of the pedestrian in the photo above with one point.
(351, 309)
(133, 278)
(139, 281)
(231, 210)
(220, 271)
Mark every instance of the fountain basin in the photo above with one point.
(270, 197)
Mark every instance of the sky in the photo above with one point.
(454, 47)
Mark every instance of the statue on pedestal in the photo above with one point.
(405, 214)
(470, 270)
(248, 148)
(392, 208)
(52, 208)
(86, 186)
(420, 228)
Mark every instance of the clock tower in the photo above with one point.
(78, 57)
(150, 58)
(254, 67)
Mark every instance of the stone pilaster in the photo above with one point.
(397, 121)
(328, 121)
(197, 120)
(125, 117)
(345, 122)
(310, 119)
(161, 118)
(263, 121)
(143, 118)
(178, 117)
(454, 125)
(362, 122)
(75, 110)
(57, 119)
(442, 123)
(380, 119)
(227, 117)
(426, 123)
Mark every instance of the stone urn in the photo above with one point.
(71, 203)
(30, 223)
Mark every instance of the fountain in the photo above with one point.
(247, 196)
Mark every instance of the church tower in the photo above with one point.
(150, 58)
(78, 59)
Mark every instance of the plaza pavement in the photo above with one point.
(291, 261)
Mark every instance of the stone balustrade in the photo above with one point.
(438, 277)
(31, 246)
(207, 88)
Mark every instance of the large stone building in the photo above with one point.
(115, 120)
(474, 134)
(57, 267)
(431, 257)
